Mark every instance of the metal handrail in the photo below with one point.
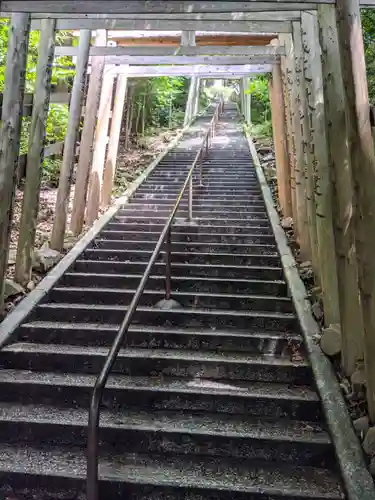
(165, 236)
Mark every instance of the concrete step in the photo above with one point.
(163, 337)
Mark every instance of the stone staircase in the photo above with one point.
(213, 400)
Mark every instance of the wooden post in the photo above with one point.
(30, 203)
(10, 130)
(363, 172)
(344, 202)
(63, 192)
(323, 187)
(100, 145)
(299, 109)
(289, 138)
(293, 65)
(279, 138)
(188, 40)
(87, 139)
(196, 97)
(309, 154)
(114, 137)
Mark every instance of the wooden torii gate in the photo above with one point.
(324, 147)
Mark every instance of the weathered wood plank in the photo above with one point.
(298, 108)
(279, 134)
(289, 179)
(114, 137)
(282, 15)
(100, 144)
(10, 130)
(210, 70)
(63, 192)
(363, 172)
(30, 203)
(202, 50)
(188, 60)
(322, 187)
(139, 7)
(293, 132)
(343, 200)
(165, 25)
(87, 140)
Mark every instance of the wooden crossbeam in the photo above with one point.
(154, 7)
(282, 15)
(210, 71)
(189, 60)
(165, 25)
(213, 50)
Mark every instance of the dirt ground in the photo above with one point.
(131, 163)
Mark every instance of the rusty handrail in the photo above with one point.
(165, 236)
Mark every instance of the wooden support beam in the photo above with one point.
(363, 173)
(210, 71)
(165, 25)
(309, 160)
(189, 60)
(87, 139)
(289, 173)
(114, 137)
(298, 110)
(203, 40)
(281, 15)
(156, 7)
(279, 135)
(322, 187)
(209, 50)
(30, 202)
(10, 130)
(292, 126)
(63, 192)
(344, 202)
(100, 145)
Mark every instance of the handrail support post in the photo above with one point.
(168, 265)
(190, 216)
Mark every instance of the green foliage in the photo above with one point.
(368, 29)
(158, 102)
(260, 99)
(261, 129)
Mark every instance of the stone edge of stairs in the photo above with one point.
(357, 479)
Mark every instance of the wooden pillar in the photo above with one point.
(299, 107)
(363, 173)
(63, 192)
(10, 130)
(290, 208)
(30, 203)
(242, 97)
(87, 139)
(344, 200)
(295, 149)
(309, 155)
(114, 138)
(196, 97)
(100, 144)
(188, 40)
(322, 185)
(279, 137)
